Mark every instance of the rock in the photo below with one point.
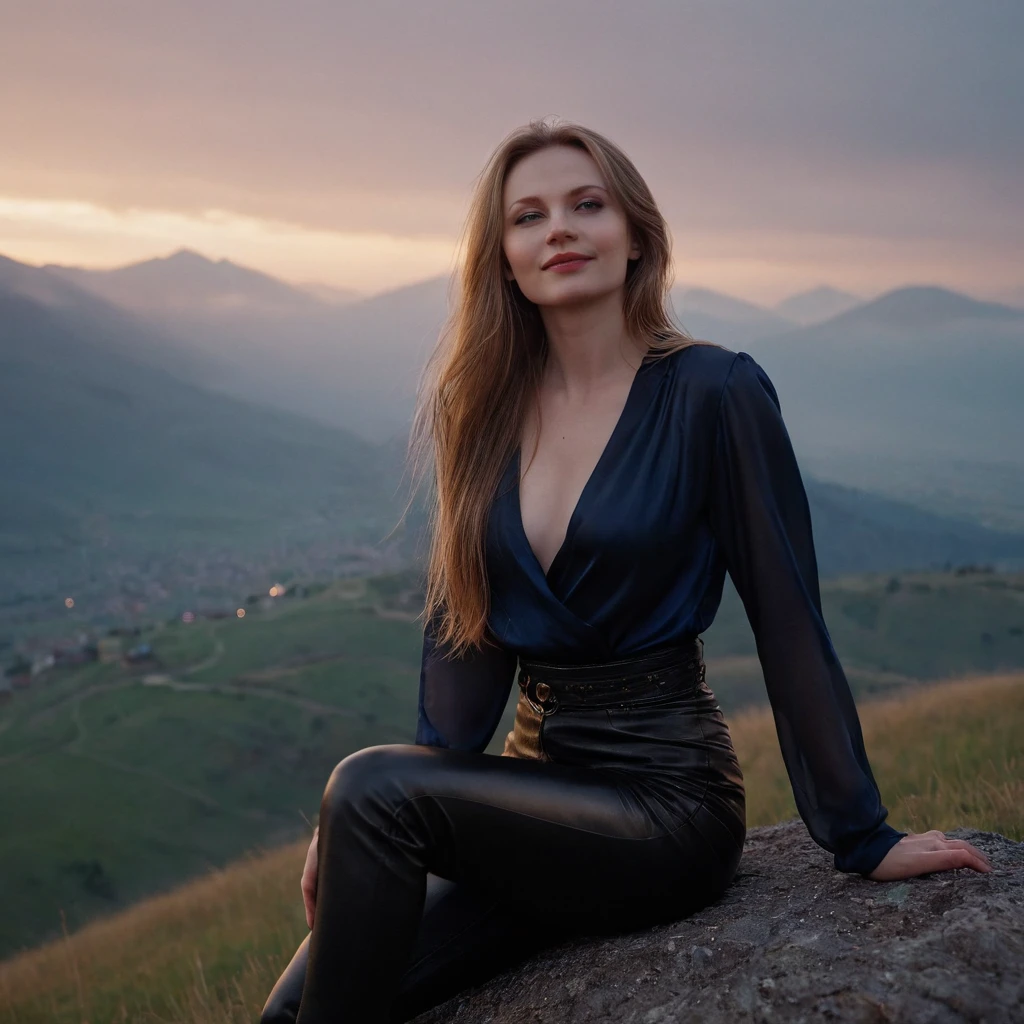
(791, 940)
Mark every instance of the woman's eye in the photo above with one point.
(591, 202)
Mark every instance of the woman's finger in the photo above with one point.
(947, 859)
(930, 841)
(962, 844)
(309, 880)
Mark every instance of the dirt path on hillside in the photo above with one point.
(230, 690)
(165, 681)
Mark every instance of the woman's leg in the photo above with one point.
(466, 935)
(552, 839)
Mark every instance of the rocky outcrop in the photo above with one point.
(791, 940)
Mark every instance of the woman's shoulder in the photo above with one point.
(698, 372)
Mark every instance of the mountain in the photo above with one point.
(913, 395)
(187, 281)
(99, 433)
(112, 327)
(1011, 296)
(111, 461)
(916, 394)
(330, 294)
(818, 304)
(713, 316)
(350, 364)
(859, 531)
(923, 307)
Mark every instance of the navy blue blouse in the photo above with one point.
(698, 477)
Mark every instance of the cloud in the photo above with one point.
(91, 235)
(898, 123)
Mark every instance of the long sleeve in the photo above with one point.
(461, 700)
(760, 516)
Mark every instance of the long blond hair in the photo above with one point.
(473, 391)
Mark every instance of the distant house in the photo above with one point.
(75, 654)
(109, 648)
(140, 654)
(18, 674)
(41, 662)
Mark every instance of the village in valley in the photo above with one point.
(37, 659)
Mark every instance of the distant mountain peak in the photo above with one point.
(189, 257)
(185, 253)
(688, 299)
(817, 304)
(927, 306)
(190, 282)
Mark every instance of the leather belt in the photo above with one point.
(678, 669)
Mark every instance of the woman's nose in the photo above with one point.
(560, 228)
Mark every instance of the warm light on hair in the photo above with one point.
(489, 360)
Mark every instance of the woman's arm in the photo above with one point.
(461, 700)
(760, 516)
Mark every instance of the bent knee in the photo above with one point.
(384, 774)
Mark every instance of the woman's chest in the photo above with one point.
(640, 505)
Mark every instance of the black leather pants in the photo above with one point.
(620, 805)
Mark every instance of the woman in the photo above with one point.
(657, 463)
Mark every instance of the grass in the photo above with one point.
(208, 953)
(943, 756)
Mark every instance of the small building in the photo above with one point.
(19, 673)
(109, 648)
(42, 662)
(141, 654)
(75, 654)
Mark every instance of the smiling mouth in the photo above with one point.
(570, 264)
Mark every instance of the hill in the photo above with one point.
(704, 313)
(187, 280)
(915, 395)
(131, 485)
(78, 312)
(815, 305)
(209, 952)
(353, 364)
(125, 780)
(118, 473)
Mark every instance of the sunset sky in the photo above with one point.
(864, 145)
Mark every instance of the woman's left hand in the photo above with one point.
(920, 853)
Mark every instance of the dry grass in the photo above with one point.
(943, 756)
(208, 953)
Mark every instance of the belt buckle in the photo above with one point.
(541, 709)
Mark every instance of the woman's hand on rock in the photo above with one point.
(309, 879)
(920, 853)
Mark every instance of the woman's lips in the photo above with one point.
(569, 265)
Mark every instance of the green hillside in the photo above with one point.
(208, 953)
(119, 478)
(125, 781)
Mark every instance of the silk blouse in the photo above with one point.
(698, 478)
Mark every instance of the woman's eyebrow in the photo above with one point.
(571, 192)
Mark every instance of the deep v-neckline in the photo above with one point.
(621, 425)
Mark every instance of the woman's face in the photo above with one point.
(555, 201)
